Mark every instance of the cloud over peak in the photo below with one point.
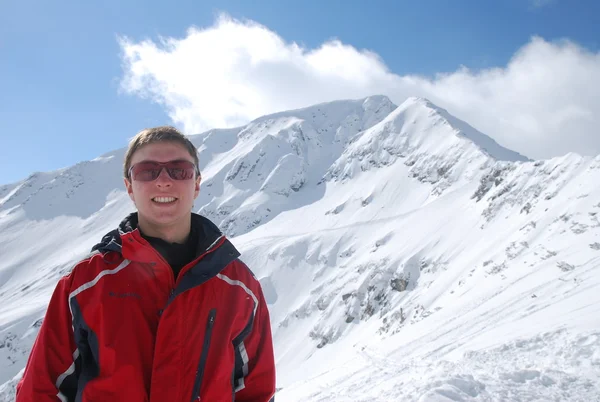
(543, 103)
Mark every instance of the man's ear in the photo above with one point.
(129, 188)
(197, 185)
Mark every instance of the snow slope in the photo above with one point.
(404, 255)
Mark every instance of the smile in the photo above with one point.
(164, 199)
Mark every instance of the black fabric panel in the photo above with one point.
(69, 385)
(238, 371)
(208, 267)
(87, 343)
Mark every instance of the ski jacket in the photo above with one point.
(119, 327)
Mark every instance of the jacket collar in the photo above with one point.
(127, 240)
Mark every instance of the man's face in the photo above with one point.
(163, 202)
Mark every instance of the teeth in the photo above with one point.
(164, 199)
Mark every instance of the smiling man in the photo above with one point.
(163, 309)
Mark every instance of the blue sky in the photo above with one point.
(62, 63)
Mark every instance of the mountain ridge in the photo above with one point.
(360, 226)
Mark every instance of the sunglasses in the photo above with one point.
(149, 171)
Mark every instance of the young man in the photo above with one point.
(162, 310)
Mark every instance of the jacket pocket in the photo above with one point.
(204, 354)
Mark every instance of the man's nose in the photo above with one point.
(163, 178)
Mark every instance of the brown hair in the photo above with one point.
(154, 135)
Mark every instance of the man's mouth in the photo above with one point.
(164, 200)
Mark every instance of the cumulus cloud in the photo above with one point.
(543, 103)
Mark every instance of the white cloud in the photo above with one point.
(543, 103)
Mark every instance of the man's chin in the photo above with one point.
(164, 217)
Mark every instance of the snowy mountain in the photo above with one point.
(404, 255)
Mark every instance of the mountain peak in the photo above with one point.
(437, 147)
(462, 129)
(411, 100)
(334, 109)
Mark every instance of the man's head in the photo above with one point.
(162, 179)
(153, 135)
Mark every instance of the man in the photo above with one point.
(162, 310)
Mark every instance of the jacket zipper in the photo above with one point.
(204, 355)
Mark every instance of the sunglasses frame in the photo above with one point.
(164, 166)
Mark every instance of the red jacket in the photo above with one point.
(120, 328)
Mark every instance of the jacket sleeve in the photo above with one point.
(255, 362)
(50, 373)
